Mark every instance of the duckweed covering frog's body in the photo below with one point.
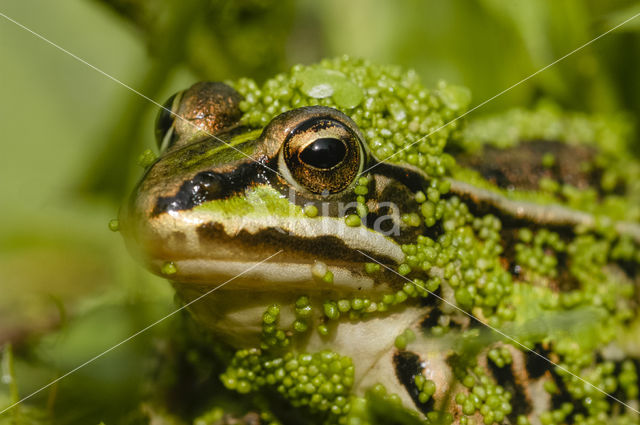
(325, 327)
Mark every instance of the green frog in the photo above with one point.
(367, 258)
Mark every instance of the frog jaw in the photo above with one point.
(207, 248)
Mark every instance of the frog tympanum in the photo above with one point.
(369, 260)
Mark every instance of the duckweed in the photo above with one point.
(500, 356)
(394, 110)
(371, 268)
(538, 254)
(426, 388)
(504, 273)
(609, 135)
(322, 381)
(311, 211)
(146, 158)
(168, 268)
(321, 272)
(271, 335)
(404, 339)
(114, 225)
(484, 396)
(353, 220)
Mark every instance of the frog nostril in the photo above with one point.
(326, 152)
(202, 187)
(205, 186)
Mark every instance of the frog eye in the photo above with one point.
(165, 130)
(204, 109)
(322, 154)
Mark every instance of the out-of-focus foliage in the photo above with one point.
(487, 45)
(71, 137)
(214, 40)
(219, 38)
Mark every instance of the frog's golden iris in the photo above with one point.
(323, 152)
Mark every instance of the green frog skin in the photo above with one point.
(342, 281)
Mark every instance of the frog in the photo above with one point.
(367, 257)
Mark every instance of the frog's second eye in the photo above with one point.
(322, 155)
(204, 109)
(165, 130)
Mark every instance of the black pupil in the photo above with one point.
(326, 152)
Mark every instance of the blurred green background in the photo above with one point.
(71, 136)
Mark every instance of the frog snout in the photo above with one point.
(204, 186)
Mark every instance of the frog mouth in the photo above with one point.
(272, 275)
(191, 247)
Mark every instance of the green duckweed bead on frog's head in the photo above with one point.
(353, 252)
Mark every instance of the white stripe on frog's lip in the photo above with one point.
(178, 237)
(271, 277)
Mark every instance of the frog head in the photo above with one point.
(222, 197)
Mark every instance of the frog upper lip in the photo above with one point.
(202, 248)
